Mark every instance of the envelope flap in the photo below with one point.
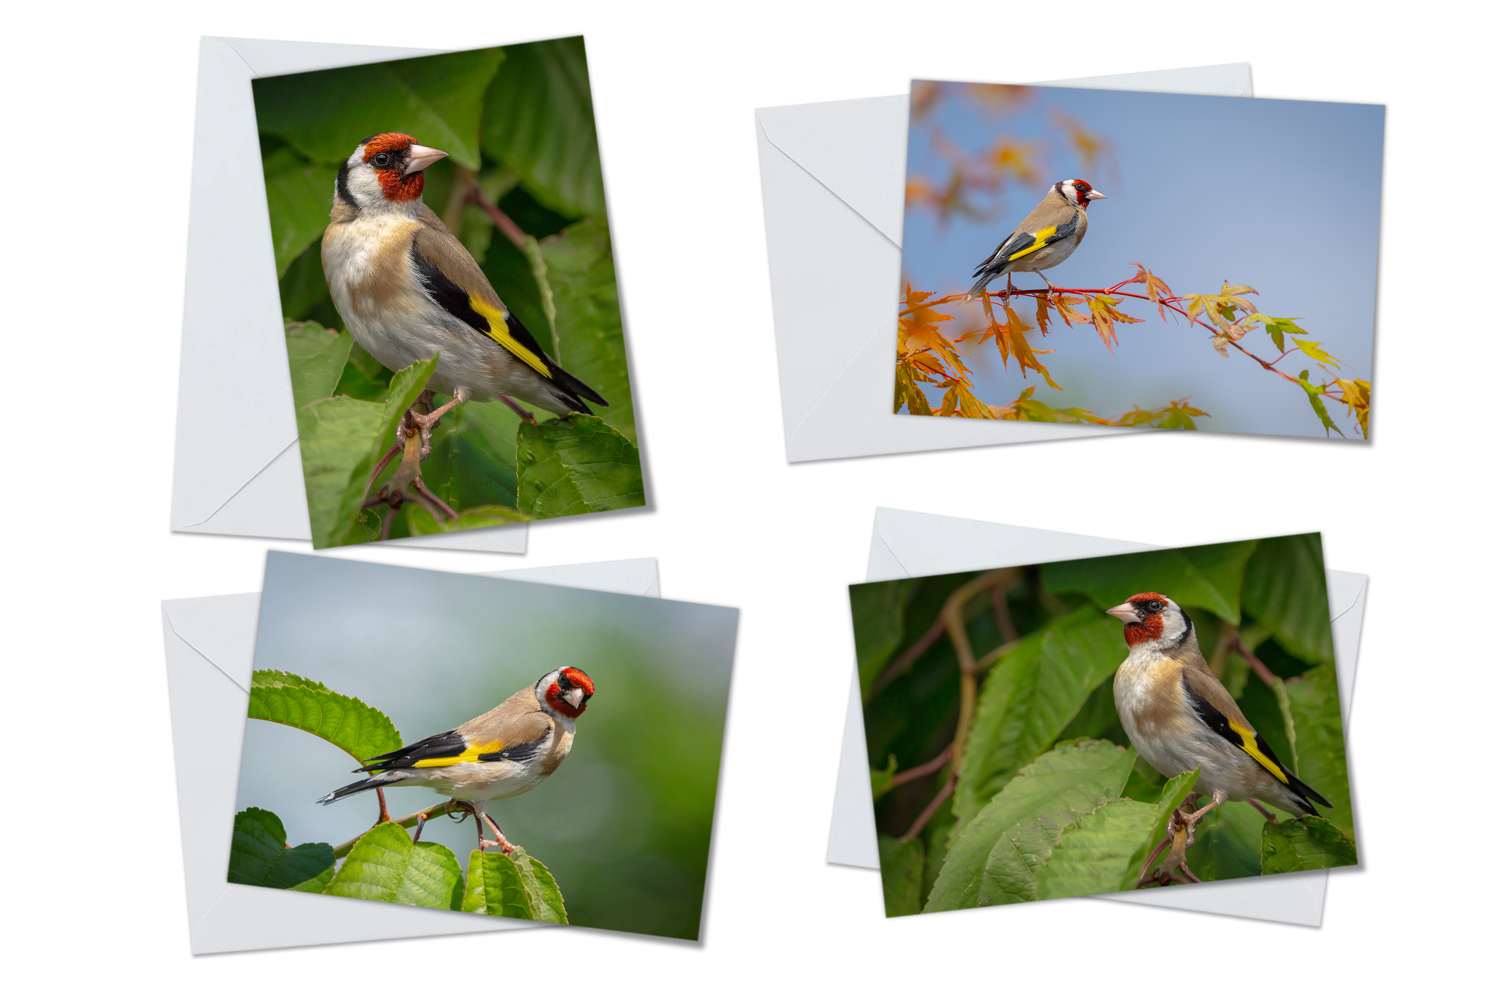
(907, 543)
(818, 137)
(268, 57)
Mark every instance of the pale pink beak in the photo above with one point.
(420, 158)
(574, 697)
(1091, 196)
(1125, 613)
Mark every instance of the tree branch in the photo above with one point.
(1261, 670)
(405, 822)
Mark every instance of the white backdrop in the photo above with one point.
(100, 139)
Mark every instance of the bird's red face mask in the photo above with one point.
(1142, 617)
(569, 695)
(398, 162)
(1085, 193)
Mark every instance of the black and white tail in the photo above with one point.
(388, 778)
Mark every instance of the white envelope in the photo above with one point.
(238, 470)
(832, 179)
(210, 644)
(906, 543)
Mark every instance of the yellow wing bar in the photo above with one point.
(499, 332)
(1039, 240)
(469, 756)
(1249, 745)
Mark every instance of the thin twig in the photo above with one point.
(921, 770)
(1261, 670)
(423, 491)
(1003, 620)
(932, 807)
(503, 222)
(903, 662)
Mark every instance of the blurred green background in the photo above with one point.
(624, 824)
(518, 123)
(1056, 684)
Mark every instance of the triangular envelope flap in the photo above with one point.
(1223, 80)
(267, 57)
(818, 138)
(908, 543)
(231, 320)
(220, 629)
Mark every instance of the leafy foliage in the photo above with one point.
(386, 867)
(259, 855)
(348, 723)
(383, 864)
(1046, 800)
(574, 466)
(1304, 845)
(513, 885)
(926, 355)
(523, 162)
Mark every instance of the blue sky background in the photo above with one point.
(623, 824)
(1283, 196)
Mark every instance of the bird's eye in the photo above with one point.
(1156, 605)
(382, 159)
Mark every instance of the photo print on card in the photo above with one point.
(448, 289)
(1128, 259)
(1124, 723)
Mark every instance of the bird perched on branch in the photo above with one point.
(506, 751)
(1045, 238)
(408, 289)
(1179, 717)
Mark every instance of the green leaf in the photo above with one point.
(299, 195)
(1226, 843)
(347, 723)
(1200, 576)
(1285, 589)
(576, 465)
(386, 867)
(1313, 707)
(880, 781)
(1314, 350)
(539, 121)
(1030, 696)
(1302, 845)
(580, 272)
(317, 357)
(420, 522)
(995, 857)
(515, 886)
(326, 114)
(879, 611)
(1096, 854)
(318, 883)
(473, 456)
(1315, 397)
(334, 436)
(901, 875)
(259, 855)
(341, 440)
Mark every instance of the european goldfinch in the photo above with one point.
(506, 751)
(1045, 238)
(1179, 717)
(408, 289)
